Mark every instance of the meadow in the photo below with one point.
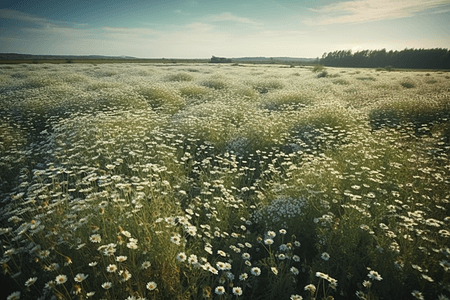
(202, 181)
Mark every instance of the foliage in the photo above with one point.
(437, 58)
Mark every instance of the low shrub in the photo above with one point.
(408, 84)
(322, 74)
(180, 77)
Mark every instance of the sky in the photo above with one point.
(225, 28)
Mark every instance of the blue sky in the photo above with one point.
(201, 28)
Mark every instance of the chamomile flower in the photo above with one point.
(14, 296)
(256, 271)
(95, 238)
(237, 291)
(107, 285)
(145, 265)
(176, 239)
(246, 256)
(60, 279)
(151, 285)
(325, 256)
(193, 259)
(121, 258)
(111, 268)
(126, 275)
(80, 277)
(268, 241)
(367, 283)
(418, 295)
(30, 281)
(181, 256)
(271, 234)
(374, 275)
(311, 288)
(219, 290)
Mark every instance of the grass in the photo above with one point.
(132, 181)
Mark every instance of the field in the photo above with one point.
(201, 181)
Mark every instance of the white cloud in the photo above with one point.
(10, 14)
(226, 16)
(20, 16)
(199, 27)
(371, 10)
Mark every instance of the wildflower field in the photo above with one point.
(200, 181)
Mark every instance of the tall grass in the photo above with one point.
(133, 182)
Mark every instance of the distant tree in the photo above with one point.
(215, 59)
(408, 58)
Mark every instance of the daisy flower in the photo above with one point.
(418, 295)
(126, 275)
(237, 291)
(220, 290)
(151, 285)
(246, 255)
(296, 297)
(374, 275)
(107, 285)
(271, 234)
(268, 241)
(111, 268)
(121, 258)
(80, 277)
(14, 296)
(60, 279)
(311, 288)
(325, 256)
(93, 264)
(30, 281)
(176, 239)
(181, 256)
(243, 276)
(367, 283)
(193, 259)
(256, 271)
(95, 238)
(146, 264)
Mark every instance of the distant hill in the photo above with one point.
(13, 56)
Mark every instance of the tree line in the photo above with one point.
(215, 59)
(437, 58)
